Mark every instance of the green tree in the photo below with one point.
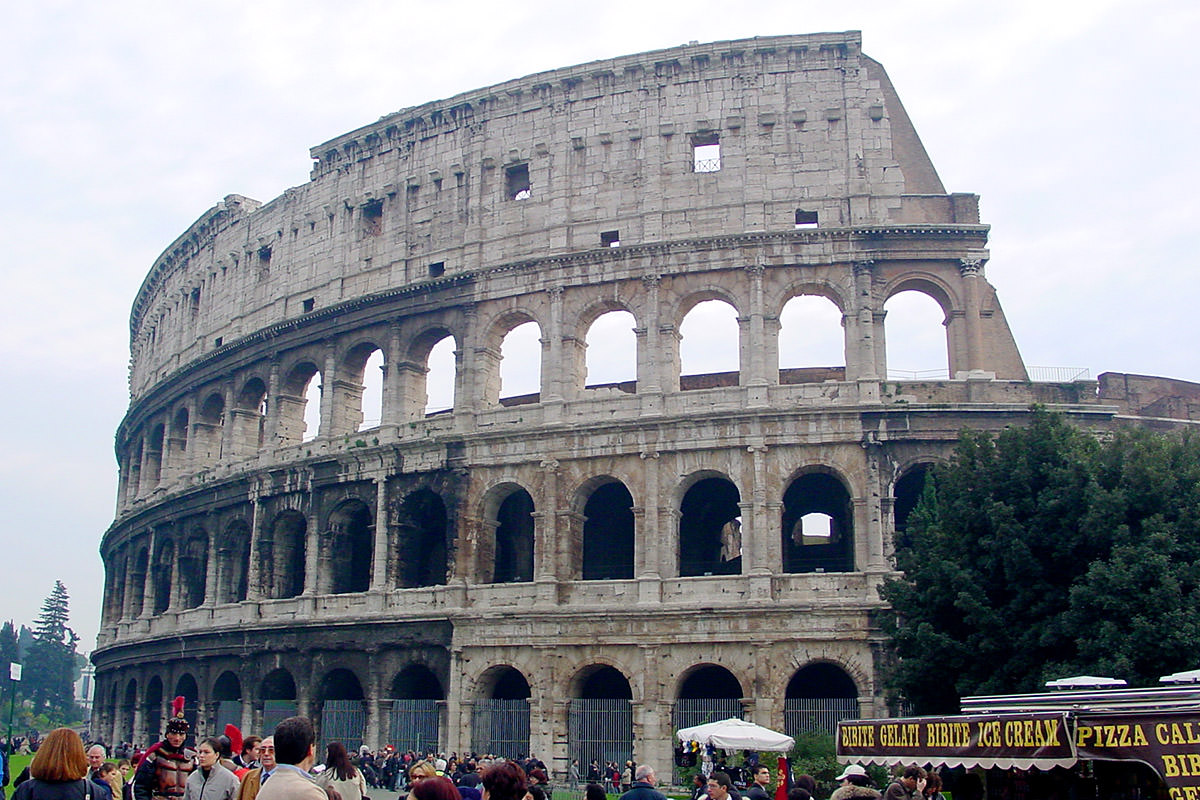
(50, 662)
(1043, 552)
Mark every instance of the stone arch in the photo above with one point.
(291, 408)
(812, 337)
(818, 696)
(140, 566)
(429, 382)
(500, 723)
(250, 417)
(128, 711)
(187, 688)
(608, 530)
(417, 682)
(913, 332)
(208, 428)
(520, 367)
(347, 544)
(233, 562)
(906, 492)
(818, 522)
(281, 555)
(710, 540)
(152, 710)
(421, 541)
(177, 447)
(600, 715)
(155, 444)
(226, 701)
(508, 512)
(227, 687)
(164, 564)
(354, 387)
(277, 692)
(193, 568)
(609, 356)
(133, 467)
(340, 683)
(709, 335)
(706, 692)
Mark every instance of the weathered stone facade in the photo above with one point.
(579, 544)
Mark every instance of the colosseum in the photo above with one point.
(577, 570)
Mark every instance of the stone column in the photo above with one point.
(650, 357)
(971, 271)
(545, 567)
(214, 577)
(554, 372)
(254, 591)
(329, 394)
(754, 349)
(380, 555)
(457, 734)
(393, 398)
(312, 551)
(150, 587)
(755, 526)
(271, 435)
(228, 448)
(649, 539)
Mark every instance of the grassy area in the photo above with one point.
(16, 764)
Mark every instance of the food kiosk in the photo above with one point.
(1113, 743)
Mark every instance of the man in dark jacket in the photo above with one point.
(760, 789)
(643, 785)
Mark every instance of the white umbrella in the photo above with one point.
(1084, 682)
(737, 734)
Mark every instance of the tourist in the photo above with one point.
(759, 788)
(642, 786)
(211, 780)
(59, 771)
(908, 786)
(339, 773)
(855, 785)
(504, 781)
(165, 767)
(253, 780)
(295, 751)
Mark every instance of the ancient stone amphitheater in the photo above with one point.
(575, 571)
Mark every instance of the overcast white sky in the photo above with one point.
(121, 122)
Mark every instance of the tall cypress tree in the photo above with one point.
(50, 662)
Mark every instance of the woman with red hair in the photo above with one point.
(59, 771)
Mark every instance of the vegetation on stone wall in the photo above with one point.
(1044, 552)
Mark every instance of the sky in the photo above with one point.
(122, 122)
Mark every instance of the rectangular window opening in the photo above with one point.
(437, 269)
(309, 305)
(516, 182)
(264, 256)
(372, 218)
(217, 342)
(706, 152)
(806, 219)
(610, 238)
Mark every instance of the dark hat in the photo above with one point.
(177, 723)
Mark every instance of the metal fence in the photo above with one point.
(413, 725)
(697, 711)
(276, 711)
(501, 727)
(342, 721)
(229, 712)
(600, 729)
(820, 715)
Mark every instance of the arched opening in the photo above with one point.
(278, 695)
(210, 424)
(127, 713)
(164, 562)
(343, 714)
(514, 539)
(137, 583)
(818, 525)
(608, 534)
(710, 529)
(420, 541)
(906, 494)
(186, 688)
(916, 337)
(440, 377)
(413, 722)
(500, 722)
(819, 696)
(372, 391)
(233, 561)
(154, 454)
(250, 418)
(227, 699)
(521, 365)
(193, 569)
(298, 407)
(346, 549)
(152, 711)
(709, 346)
(133, 470)
(812, 341)
(178, 446)
(600, 717)
(708, 693)
(611, 359)
(281, 557)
